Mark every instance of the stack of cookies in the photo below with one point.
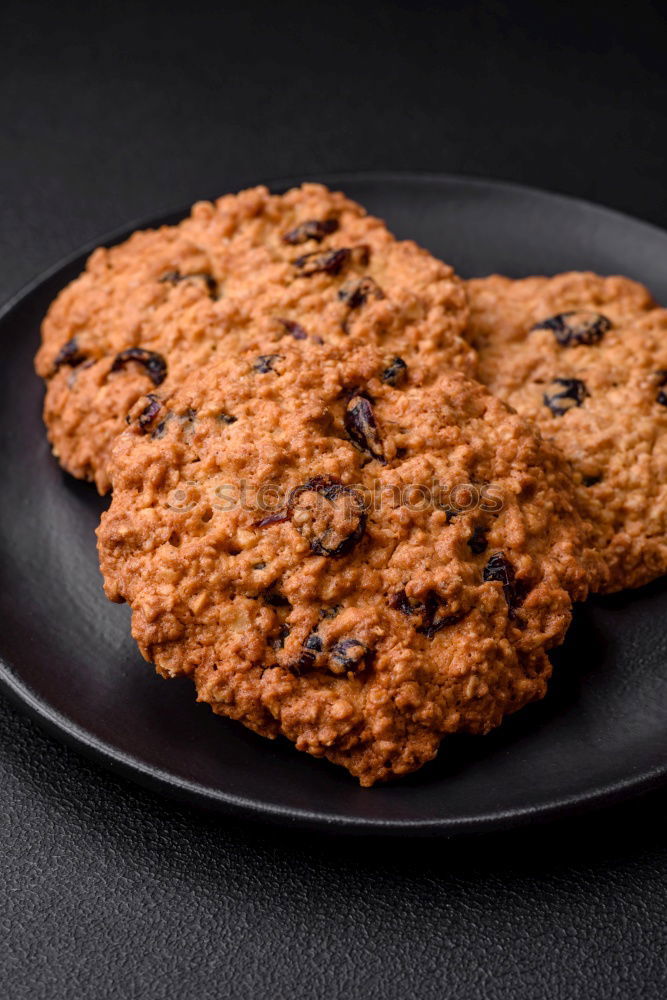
(354, 497)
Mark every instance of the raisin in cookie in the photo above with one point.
(586, 357)
(339, 554)
(252, 267)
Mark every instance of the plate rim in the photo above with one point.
(59, 726)
(112, 236)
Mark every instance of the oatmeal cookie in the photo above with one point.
(586, 358)
(340, 554)
(249, 268)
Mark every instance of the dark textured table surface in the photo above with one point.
(110, 112)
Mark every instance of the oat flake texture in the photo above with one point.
(362, 631)
(585, 357)
(249, 268)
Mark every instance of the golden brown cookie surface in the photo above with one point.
(586, 357)
(341, 555)
(249, 268)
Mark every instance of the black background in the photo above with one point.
(114, 111)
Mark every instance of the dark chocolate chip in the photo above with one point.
(591, 480)
(477, 543)
(226, 418)
(566, 394)
(154, 363)
(500, 570)
(313, 229)
(579, 326)
(395, 373)
(362, 428)
(356, 293)
(294, 328)
(69, 354)
(265, 362)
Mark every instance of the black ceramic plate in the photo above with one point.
(66, 652)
